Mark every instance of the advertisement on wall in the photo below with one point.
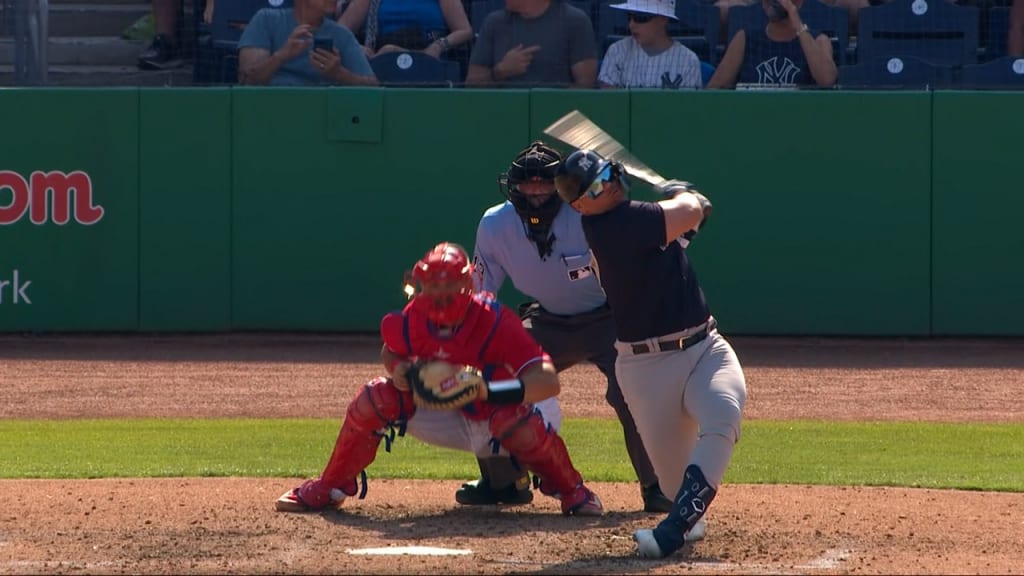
(43, 198)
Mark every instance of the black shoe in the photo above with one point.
(162, 54)
(479, 493)
(655, 500)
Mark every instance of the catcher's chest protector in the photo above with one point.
(412, 335)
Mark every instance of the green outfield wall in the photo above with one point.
(221, 209)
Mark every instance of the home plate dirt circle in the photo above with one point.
(409, 551)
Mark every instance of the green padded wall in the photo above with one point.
(338, 192)
(75, 276)
(185, 209)
(977, 281)
(821, 221)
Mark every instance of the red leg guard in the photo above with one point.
(521, 430)
(377, 405)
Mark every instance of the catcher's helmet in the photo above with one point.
(582, 172)
(441, 284)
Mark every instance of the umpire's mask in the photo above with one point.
(535, 165)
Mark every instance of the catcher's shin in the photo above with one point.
(440, 385)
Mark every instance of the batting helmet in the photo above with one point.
(583, 171)
(441, 284)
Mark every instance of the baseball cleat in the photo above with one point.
(655, 500)
(480, 493)
(293, 500)
(582, 502)
(697, 533)
(646, 545)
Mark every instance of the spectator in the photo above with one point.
(1015, 35)
(649, 57)
(783, 54)
(163, 52)
(430, 26)
(535, 43)
(278, 48)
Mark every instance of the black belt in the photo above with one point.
(678, 343)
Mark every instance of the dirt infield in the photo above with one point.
(202, 525)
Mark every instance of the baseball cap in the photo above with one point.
(658, 7)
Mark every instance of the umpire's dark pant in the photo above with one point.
(570, 340)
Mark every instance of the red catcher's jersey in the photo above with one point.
(491, 338)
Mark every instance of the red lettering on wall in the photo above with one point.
(48, 195)
(13, 212)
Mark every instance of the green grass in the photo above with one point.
(965, 456)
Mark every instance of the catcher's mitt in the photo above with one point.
(439, 385)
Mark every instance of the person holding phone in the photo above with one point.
(301, 46)
(783, 54)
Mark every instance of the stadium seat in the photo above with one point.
(933, 30)
(1005, 72)
(818, 16)
(905, 72)
(415, 69)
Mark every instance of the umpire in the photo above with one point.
(538, 242)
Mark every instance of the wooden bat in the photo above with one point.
(581, 133)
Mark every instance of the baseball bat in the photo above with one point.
(582, 133)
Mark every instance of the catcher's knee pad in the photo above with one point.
(379, 404)
(521, 430)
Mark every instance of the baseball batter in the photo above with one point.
(681, 378)
(516, 409)
(537, 242)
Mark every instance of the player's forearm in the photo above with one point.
(540, 383)
(390, 360)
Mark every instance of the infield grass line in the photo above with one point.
(929, 455)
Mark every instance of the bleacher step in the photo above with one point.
(83, 19)
(65, 76)
(82, 50)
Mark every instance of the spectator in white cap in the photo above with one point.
(649, 57)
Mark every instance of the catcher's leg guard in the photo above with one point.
(377, 406)
(692, 501)
(521, 430)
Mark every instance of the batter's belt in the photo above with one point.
(679, 341)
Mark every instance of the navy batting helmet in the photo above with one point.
(582, 172)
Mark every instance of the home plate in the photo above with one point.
(410, 551)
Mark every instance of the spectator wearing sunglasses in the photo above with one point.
(783, 54)
(649, 57)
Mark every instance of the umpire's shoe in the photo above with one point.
(655, 500)
(480, 493)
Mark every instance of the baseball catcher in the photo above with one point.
(463, 373)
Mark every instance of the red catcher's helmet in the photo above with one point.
(441, 284)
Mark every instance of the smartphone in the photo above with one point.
(325, 44)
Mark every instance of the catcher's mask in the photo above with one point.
(538, 162)
(441, 284)
(584, 172)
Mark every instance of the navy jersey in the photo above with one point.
(770, 63)
(651, 287)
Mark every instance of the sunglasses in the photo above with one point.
(639, 17)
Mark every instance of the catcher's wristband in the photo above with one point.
(506, 391)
